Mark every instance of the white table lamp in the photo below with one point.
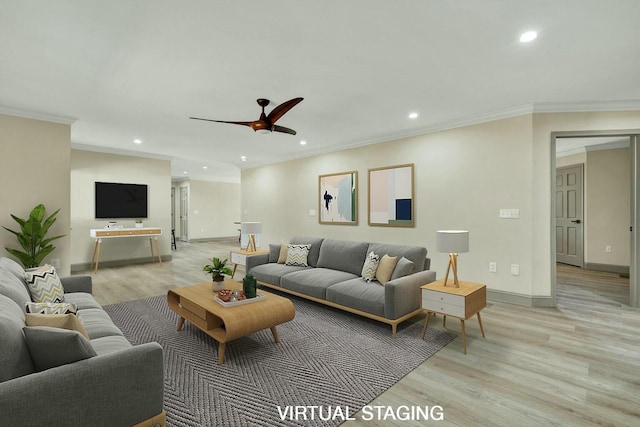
(251, 228)
(452, 242)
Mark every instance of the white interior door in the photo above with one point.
(184, 217)
(569, 216)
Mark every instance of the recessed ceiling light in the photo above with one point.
(413, 115)
(528, 36)
(185, 172)
(303, 142)
(137, 141)
(243, 158)
(205, 167)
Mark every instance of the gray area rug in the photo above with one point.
(326, 357)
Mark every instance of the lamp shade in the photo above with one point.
(251, 227)
(452, 241)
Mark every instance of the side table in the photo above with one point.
(239, 257)
(460, 302)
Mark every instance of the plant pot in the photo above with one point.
(217, 284)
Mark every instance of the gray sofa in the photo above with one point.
(122, 385)
(333, 277)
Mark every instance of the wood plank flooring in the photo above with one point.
(574, 365)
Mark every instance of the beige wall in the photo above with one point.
(463, 177)
(35, 169)
(609, 195)
(213, 209)
(87, 167)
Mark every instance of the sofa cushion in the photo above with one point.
(358, 294)
(271, 273)
(51, 308)
(314, 252)
(385, 268)
(44, 284)
(82, 299)
(370, 266)
(297, 255)
(314, 281)
(15, 360)
(13, 267)
(97, 323)
(62, 321)
(14, 288)
(417, 254)
(403, 268)
(51, 347)
(110, 344)
(344, 255)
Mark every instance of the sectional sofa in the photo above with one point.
(333, 275)
(117, 385)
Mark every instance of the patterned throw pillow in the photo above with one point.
(297, 255)
(385, 268)
(370, 266)
(62, 321)
(51, 308)
(44, 284)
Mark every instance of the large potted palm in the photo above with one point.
(32, 237)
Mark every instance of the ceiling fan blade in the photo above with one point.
(281, 109)
(223, 121)
(283, 129)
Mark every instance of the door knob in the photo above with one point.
(577, 221)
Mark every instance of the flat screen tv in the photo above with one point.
(115, 200)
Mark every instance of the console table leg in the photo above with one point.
(153, 258)
(274, 331)
(158, 251)
(221, 347)
(97, 250)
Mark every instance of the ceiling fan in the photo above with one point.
(266, 123)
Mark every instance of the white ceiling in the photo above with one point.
(120, 70)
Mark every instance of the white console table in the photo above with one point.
(112, 233)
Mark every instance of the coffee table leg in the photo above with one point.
(180, 323)
(275, 334)
(221, 348)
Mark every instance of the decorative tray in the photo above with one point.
(239, 302)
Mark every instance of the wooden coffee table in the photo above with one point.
(197, 305)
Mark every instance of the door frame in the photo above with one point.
(634, 265)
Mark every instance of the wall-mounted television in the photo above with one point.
(115, 200)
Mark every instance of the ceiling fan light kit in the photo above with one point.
(266, 123)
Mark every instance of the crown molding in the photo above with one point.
(593, 106)
(28, 114)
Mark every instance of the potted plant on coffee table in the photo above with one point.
(218, 268)
(32, 237)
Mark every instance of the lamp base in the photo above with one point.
(251, 246)
(453, 265)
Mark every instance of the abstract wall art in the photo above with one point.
(338, 198)
(391, 200)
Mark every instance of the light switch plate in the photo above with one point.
(510, 213)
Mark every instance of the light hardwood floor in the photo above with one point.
(574, 365)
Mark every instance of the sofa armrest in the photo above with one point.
(77, 284)
(116, 389)
(255, 260)
(402, 295)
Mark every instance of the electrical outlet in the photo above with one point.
(607, 249)
(55, 263)
(493, 267)
(146, 243)
(515, 270)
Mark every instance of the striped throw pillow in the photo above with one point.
(51, 308)
(44, 284)
(297, 255)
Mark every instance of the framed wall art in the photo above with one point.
(391, 196)
(338, 198)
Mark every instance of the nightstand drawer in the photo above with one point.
(442, 297)
(444, 308)
(237, 258)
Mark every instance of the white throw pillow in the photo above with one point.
(370, 266)
(297, 255)
(44, 284)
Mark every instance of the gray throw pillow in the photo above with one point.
(403, 268)
(51, 347)
(274, 252)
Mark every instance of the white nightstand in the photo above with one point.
(460, 302)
